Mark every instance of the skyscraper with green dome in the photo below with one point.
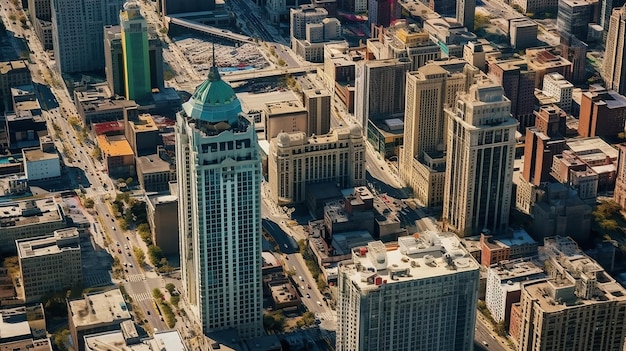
(135, 52)
(219, 202)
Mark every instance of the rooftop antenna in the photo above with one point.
(214, 74)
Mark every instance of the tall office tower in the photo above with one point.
(428, 91)
(465, 12)
(575, 51)
(135, 51)
(300, 17)
(420, 295)
(219, 189)
(77, 33)
(606, 9)
(543, 141)
(114, 67)
(381, 12)
(379, 88)
(614, 65)
(574, 16)
(317, 104)
(479, 159)
(602, 113)
(579, 307)
(518, 81)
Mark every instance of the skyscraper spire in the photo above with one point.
(214, 74)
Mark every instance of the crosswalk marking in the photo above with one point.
(326, 316)
(135, 277)
(144, 296)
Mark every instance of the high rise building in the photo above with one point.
(135, 51)
(49, 263)
(317, 104)
(420, 295)
(300, 17)
(518, 81)
(574, 16)
(479, 159)
(77, 33)
(465, 12)
(382, 12)
(380, 88)
(40, 13)
(428, 90)
(578, 308)
(614, 64)
(575, 51)
(115, 69)
(556, 86)
(219, 194)
(543, 141)
(602, 112)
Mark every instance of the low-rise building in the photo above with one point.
(128, 336)
(295, 160)
(96, 313)
(555, 85)
(513, 245)
(50, 263)
(12, 74)
(21, 325)
(117, 154)
(338, 218)
(42, 163)
(23, 129)
(142, 134)
(95, 104)
(28, 219)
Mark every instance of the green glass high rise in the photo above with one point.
(135, 52)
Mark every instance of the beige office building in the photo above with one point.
(285, 116)
(50, 264)
(614, 65)
(428, 90)
(480, 154)
(28, 219)
(295, 160)
(578, 308)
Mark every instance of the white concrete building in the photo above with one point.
(296, 160)
(504, 285)
(219, 193)
(555, 85)
(42, 163)
(419, 296)
(480, 154)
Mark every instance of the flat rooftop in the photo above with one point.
(36, 154)
(64, 239)
(144, 123)
(114, 340)
(416, 257)
(276, 109)
(27, 345)
(14, 323)
(580, 146)
(8, 66)
(27, 212)
(152, 164)
(115, 145)
(99, 308)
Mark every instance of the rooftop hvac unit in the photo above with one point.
(429, 259)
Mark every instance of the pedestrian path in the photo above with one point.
(326, 316)
(144, 296)
(135, 277)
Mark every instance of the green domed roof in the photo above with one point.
(213, 101)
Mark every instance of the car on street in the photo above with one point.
(319, 303)
(119, 250)
(308, 295)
